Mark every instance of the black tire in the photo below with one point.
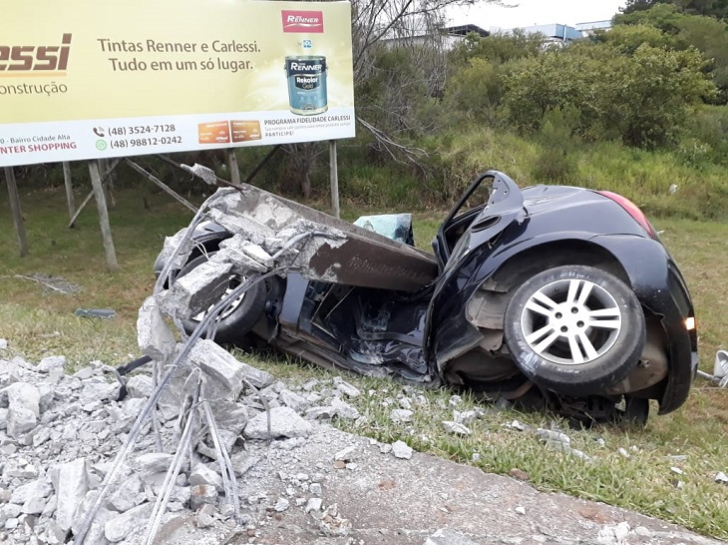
(236, 323)
(574, 330)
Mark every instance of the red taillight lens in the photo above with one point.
(632, 209)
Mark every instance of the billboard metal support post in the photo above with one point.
(334, 179)
(164, 187)
(93, 169)
(69, 189)
(17, 213)
(233, 164)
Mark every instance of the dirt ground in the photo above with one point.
(380, 499)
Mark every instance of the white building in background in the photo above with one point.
(562, 34)
(587, 29)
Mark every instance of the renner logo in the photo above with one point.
(18, 60)
(302, 21)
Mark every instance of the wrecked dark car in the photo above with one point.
(552, 297)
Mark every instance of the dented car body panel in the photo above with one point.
(373, 305)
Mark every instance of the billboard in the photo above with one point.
(83, 79)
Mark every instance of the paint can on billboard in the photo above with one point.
(306, 75)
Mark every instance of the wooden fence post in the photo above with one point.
(17, 213)
(93, 168)
(69, 189)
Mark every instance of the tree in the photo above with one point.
(680, 31)
(479, 68)
(498, 48)
(643, 98)
(710, 8)
(640, 5)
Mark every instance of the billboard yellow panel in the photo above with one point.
(83, 79)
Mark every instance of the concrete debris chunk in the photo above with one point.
(241, 263)
(95, 390)
(346, 388)
(230, 417)
(553, 436)
(225, 370)
(285, 422)
(47, 396)
(128, 523)
(614, 534)
(54, 534)
(466, 417)
(242, 462)
(197, 290)
(244, 255)
(344, 410)
(314, 504)
(23, 408)
(153, 462)
(251, 229)
(34, 506)
(259, 254)
(9, 511)
(139, 386)
(127, 496)
(281, 505)
(47, 364)
(456, 428)
(516, 425)
(169, 247)
(311, 384)
(202, 474)
(71, 485)
(293, 400)
(400, 449)
(446, 536)
(206, 516)
(321, 413)
(346, 454)
(332, 524)
(202, 494)
(220, 366)
(40, 488)
(401, 415)
(154, 337)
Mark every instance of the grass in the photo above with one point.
(642, 176)
(39, 322)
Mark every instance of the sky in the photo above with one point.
(536, 12)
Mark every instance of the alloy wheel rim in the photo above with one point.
(571, 321)
(227, 311)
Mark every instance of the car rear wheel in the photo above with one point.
(575, 330)
(240, 317)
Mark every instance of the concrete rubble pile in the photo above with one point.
(61, 433)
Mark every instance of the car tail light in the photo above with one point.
(690, 323)
(633, 210)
